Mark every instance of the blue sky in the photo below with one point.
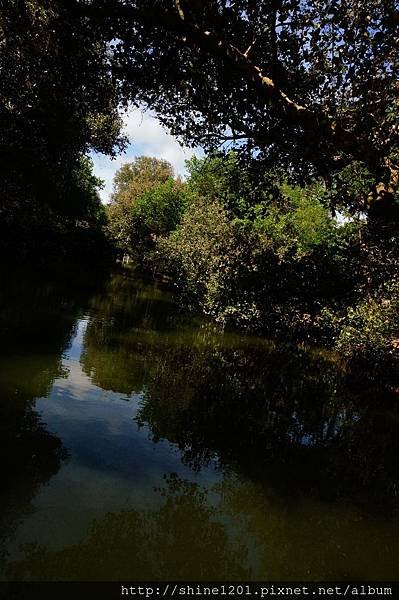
(147, 137)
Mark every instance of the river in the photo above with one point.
(139, 442)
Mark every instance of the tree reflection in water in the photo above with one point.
(306, 454)
(235, 531)
(181, 537)
(277, 413)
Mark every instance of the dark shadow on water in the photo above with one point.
(38, 313)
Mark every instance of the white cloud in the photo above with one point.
(147, 137)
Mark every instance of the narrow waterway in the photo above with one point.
(141, 443)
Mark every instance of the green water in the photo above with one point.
(139, 443)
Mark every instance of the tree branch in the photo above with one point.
(315, 123)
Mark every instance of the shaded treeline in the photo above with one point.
(57, 102)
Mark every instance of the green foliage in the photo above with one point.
(294, 219)
(370, 329)
(326, 104)
(139, 176)
(31, 228)
(264, 255)
(303, 225)
(147, 202)
(244, 246)
(203, 255)
(158, 211)
(310, 87)
(154, 213)
(85, 199)
(58, 101)
(272, 273)
(130, 182)
(350, 188)
(223, 177)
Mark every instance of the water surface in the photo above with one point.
(140, 443)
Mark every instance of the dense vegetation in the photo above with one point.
(294, 231)
(265, 256)
(311, 86)
(57, 101)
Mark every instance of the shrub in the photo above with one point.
(201, 255)
(254, 274)
(155, 213)
(370, 331)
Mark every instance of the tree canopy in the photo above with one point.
(309, 85)
(147, 201)
(58, 100)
